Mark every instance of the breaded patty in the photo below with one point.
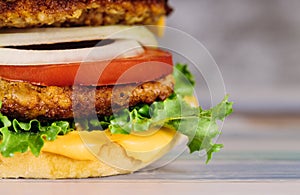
(25, 101)
(36, 13)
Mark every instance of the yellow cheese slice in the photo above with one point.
(159, 28)
(69, 145)
(143, 143)
(79, 144)
(161, 24)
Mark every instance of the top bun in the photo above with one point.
(36, 13)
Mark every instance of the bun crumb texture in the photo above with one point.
(52, 166)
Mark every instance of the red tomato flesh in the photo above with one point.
(151, 65)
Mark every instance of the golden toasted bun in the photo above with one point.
(53, 166)
(36, 13)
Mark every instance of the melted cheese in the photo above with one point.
(143, 143)
(161, 24)
(82, 145)
(69, 145)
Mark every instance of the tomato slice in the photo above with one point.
(151, 65)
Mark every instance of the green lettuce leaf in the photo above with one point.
(199, 125)
(20, 136)
(185, 81)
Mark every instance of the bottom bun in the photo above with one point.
(53, 166)
(83, 154)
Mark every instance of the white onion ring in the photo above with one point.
(37, 36)
(119, 48)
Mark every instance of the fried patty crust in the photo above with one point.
(24, 101)
(37, 13)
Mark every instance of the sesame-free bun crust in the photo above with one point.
(53, 166)
(36, 13)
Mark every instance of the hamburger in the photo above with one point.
(86, 92)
